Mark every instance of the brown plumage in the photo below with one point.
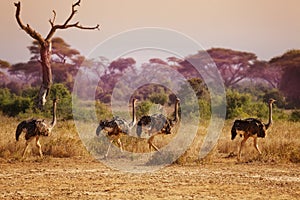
(157, 124)
(251, 127)
(34, 128)
(117, 127)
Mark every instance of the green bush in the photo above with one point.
(205, 109)
(64, 105)
(235, 103)
(31, 92)
(17, 105)
(277, 95)
(143, 108)
(159, 98)
(102, 111)
(243, 105)
(13, 105)
(295, 116)
(5, 96)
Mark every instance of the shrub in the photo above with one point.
(13, 105)
(235, 103)
(295, 116)
(159, 98)
(275, 94)
(205, 109)
(64, 105)
(5, 97)
(102, 111)
(17, 105)
(143, 108)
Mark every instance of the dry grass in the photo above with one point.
(281, 145)
(64, 141)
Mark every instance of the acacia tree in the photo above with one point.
(3, 65)
(45, 46)
(233, 65)
(289, 62)
(110, 76)
(264, 70)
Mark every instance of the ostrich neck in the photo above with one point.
(53, 123)
(270, 116)
(133, 114)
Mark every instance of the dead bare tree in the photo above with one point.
(45, 46)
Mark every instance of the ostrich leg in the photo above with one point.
(108, 148)
(150, 142)
(256, 146)
(25, 149)
(241, 147)
(120, 144)
(37, 142)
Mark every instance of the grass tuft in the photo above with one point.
(281, 144)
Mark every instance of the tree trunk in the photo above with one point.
(45, 53)
(45, 43)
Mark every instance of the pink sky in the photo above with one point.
(265, 27)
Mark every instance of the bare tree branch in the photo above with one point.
(77, 3)
(27, 29)
(67, 25)
(45, 44)
(53, 20)
(72, 13)
(85, 27)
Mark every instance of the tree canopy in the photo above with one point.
(237, 69)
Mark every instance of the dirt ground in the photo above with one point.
(78, 178)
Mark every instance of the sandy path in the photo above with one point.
(60, 178)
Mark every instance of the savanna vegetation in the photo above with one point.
(249, 83)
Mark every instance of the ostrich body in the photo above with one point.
(251, 127)
(152, 124)
(34, 128)
(157, 124)
(117, 127)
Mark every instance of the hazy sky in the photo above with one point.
(266, 27)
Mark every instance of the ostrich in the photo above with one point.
(157, 124)
(117, 127)
(34, 128)
(251, 127)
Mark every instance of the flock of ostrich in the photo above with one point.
(151, 125)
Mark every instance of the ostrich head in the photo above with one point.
(271, 101)
(101, 126)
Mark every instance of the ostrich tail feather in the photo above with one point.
(139, 130)
(233, 132)
(19, 129)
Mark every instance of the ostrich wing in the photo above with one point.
(32, 127)
(122, 124)
(233, 133)
(19, 129)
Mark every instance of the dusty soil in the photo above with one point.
(77, 178)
